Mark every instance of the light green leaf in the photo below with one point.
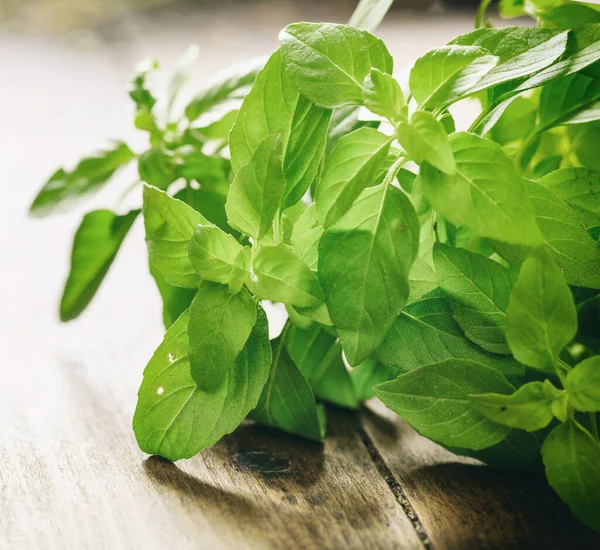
(572, 460)
(425, 139)
(583, 385)
(364, 261)
(571, 15)
(369, 13)
(343, 121)
(170, 224)
(280, 276)
(66, 189)
(306, 235)
(515, 122)
(422, 279)
(274, 105)
(486, 194)
(356, 162)
(541, 318)
(427, 333)
(529, 408)
(207, 170)
(257, 189)
(328, 63)
(382, 95)
(156, 167)
(445, 75)
(210, 203)
(287, 401)
(478, 290)
(435, 401)
(219, 327)
(95, 246)
(170, 404)
(369, 373)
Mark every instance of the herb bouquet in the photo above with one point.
(457, 272)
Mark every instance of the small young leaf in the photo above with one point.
(257, 189)
(95, 246)
(572, 460)
(280, 276)
(356, 162)
(435, 401)
(383, 96)
(529, 408)
(478, 290)
(486, 194)
(66, 189)
(583, 385)
(213, 253)
(157, 168)
(541, 318)
(425, 139)
(328, 63)
(170, 224)
(219, 326)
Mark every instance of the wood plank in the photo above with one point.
(465, 505)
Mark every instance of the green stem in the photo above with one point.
(480, 19)
(594, 426)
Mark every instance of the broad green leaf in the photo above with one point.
(422, 279)
(280, 276)
(571, 15)
(356, 162)
(583, 385)
(232, 83)
(343, 121)
(216, 132)
(207, 170)
(571, 247)
(287, 401)
(580, 188)
(369, 13)
(96, 243)
(382, 95)
(515, 122)
(427, 333)
(541, 318)
(486, 193)
(318, 354)
(572, 460)
(213, 253)
(521, 52)
(435, 401)
(478, 290)
(445, 75)
(219, 327)
(364, 261)
(425, 139)
(240, 274)
(369, 373)
(156, 167)
(170, 224)
(328, 63)
(66, 189)
(275, 106)
(583, 139)
(174, 298)
(529, 408)
(306, 235)
(176, 419)
(257, 189)
(210, 203)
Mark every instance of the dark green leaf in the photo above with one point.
(368, 374)
(175, 299)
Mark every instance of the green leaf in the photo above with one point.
(529, 408)
(572, 460)
(343, 121)
(571, 15)
(318, 354)
(219, 327)
(425, 139)
(369, 13)
(516, 122)
(382, 95)
(572, 249)
(306, 235)
(213, 253)
(422, 279)
(445, 75)
(176, 419)
(257, 189)
(156, 167)
(328, 63)
(427, 333)
(194, 165)
(356, 162)
(95, 246)
(435, 401)
(274, 105)
(170, 224)
(369, 373)
(138, 91)
(232, 83)
(66, 189)
(287, 401)
(541, 318)
(478, 290)
(280, 276)
(210, 203)
(583, 385)
(364, 261)
(486, 194)
(175, 299)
